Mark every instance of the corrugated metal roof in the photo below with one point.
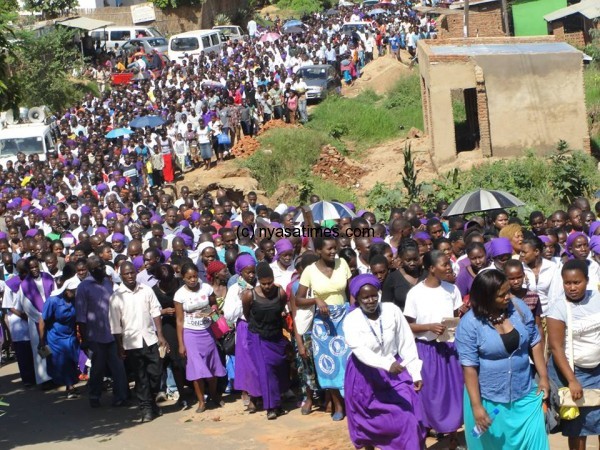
(502, 49)
(85, 23)
(587, 8)
(461, 5)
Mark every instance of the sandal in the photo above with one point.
(201, 409)
(306, 409)
(271, 415)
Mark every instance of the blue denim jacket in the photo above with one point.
(503, 377)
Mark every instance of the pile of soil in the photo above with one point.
(248, 145)
(245, 147)
(333, 166)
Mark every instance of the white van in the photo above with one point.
(28, 138)
(194, 42)
(118, 34)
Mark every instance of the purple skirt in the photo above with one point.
(272, 367)
(246, 375)
(202, 355)
(443, 384)
(382, 409)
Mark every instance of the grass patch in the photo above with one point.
(329, 191)
(591, 77)
(369, 119)
(283, 153)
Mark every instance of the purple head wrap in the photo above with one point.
(31, 233)
(121, 182)
(595, 244)
(102, 187)
(101, 230)
(187, 240)
(500, 246)
(571, 238)
(118, 237)
(421, 236)
(281, 246)
(377, 240)
(350, 206)
(195, 216)
(545, 239)
(3, 235)
(138, 262)
(593, 227)
(184, 224)
(243, 261)
(359, 281)
(111, 216)
(236, 223)
(86, 209)
(361, 212)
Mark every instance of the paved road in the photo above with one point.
(47, 420)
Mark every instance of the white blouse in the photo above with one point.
(364, 337)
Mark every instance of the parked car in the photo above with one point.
(321, 80)
(117, 34)
(232, 32)
(159, 44)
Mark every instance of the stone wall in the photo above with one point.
(171, 21)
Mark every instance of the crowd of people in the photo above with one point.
(210, 100)
(404, 325)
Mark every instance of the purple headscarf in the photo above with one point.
(138, 262)
(281, 246)
(359, 281)
(187, 240)
(593, 227)
(500, 246)
(242, 262)
(595, 244)
(421, 236)
(545, 239)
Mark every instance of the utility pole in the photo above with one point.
(505, 17)
(466, 20)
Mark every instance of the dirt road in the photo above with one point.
(47, 420)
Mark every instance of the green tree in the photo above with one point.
(8, 93)
(50, 8)
(42, 69)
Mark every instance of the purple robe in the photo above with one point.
(30, 290)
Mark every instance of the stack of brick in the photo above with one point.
(245, 147)
(332, 166)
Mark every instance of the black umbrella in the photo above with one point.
(482, 200)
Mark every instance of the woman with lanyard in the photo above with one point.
(574, 338)
(246, 375)
(264, 306)
(494, 340)
(427, 305)
(383, 374)
(194, 303)
(328, 280)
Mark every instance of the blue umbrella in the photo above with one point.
(147, 121)
(118, 132)
(293, 23)
(325, 210)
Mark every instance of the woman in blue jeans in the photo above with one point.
(494, 340)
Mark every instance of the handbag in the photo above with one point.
(223, 139)
(219, 327)
(228, 343)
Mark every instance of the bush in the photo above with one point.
(304, 6)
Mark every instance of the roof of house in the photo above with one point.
(509, 48)
(587, 8)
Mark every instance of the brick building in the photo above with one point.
(501, 96)
(574, 23)
(485, 20)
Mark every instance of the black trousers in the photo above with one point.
(147, 372)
